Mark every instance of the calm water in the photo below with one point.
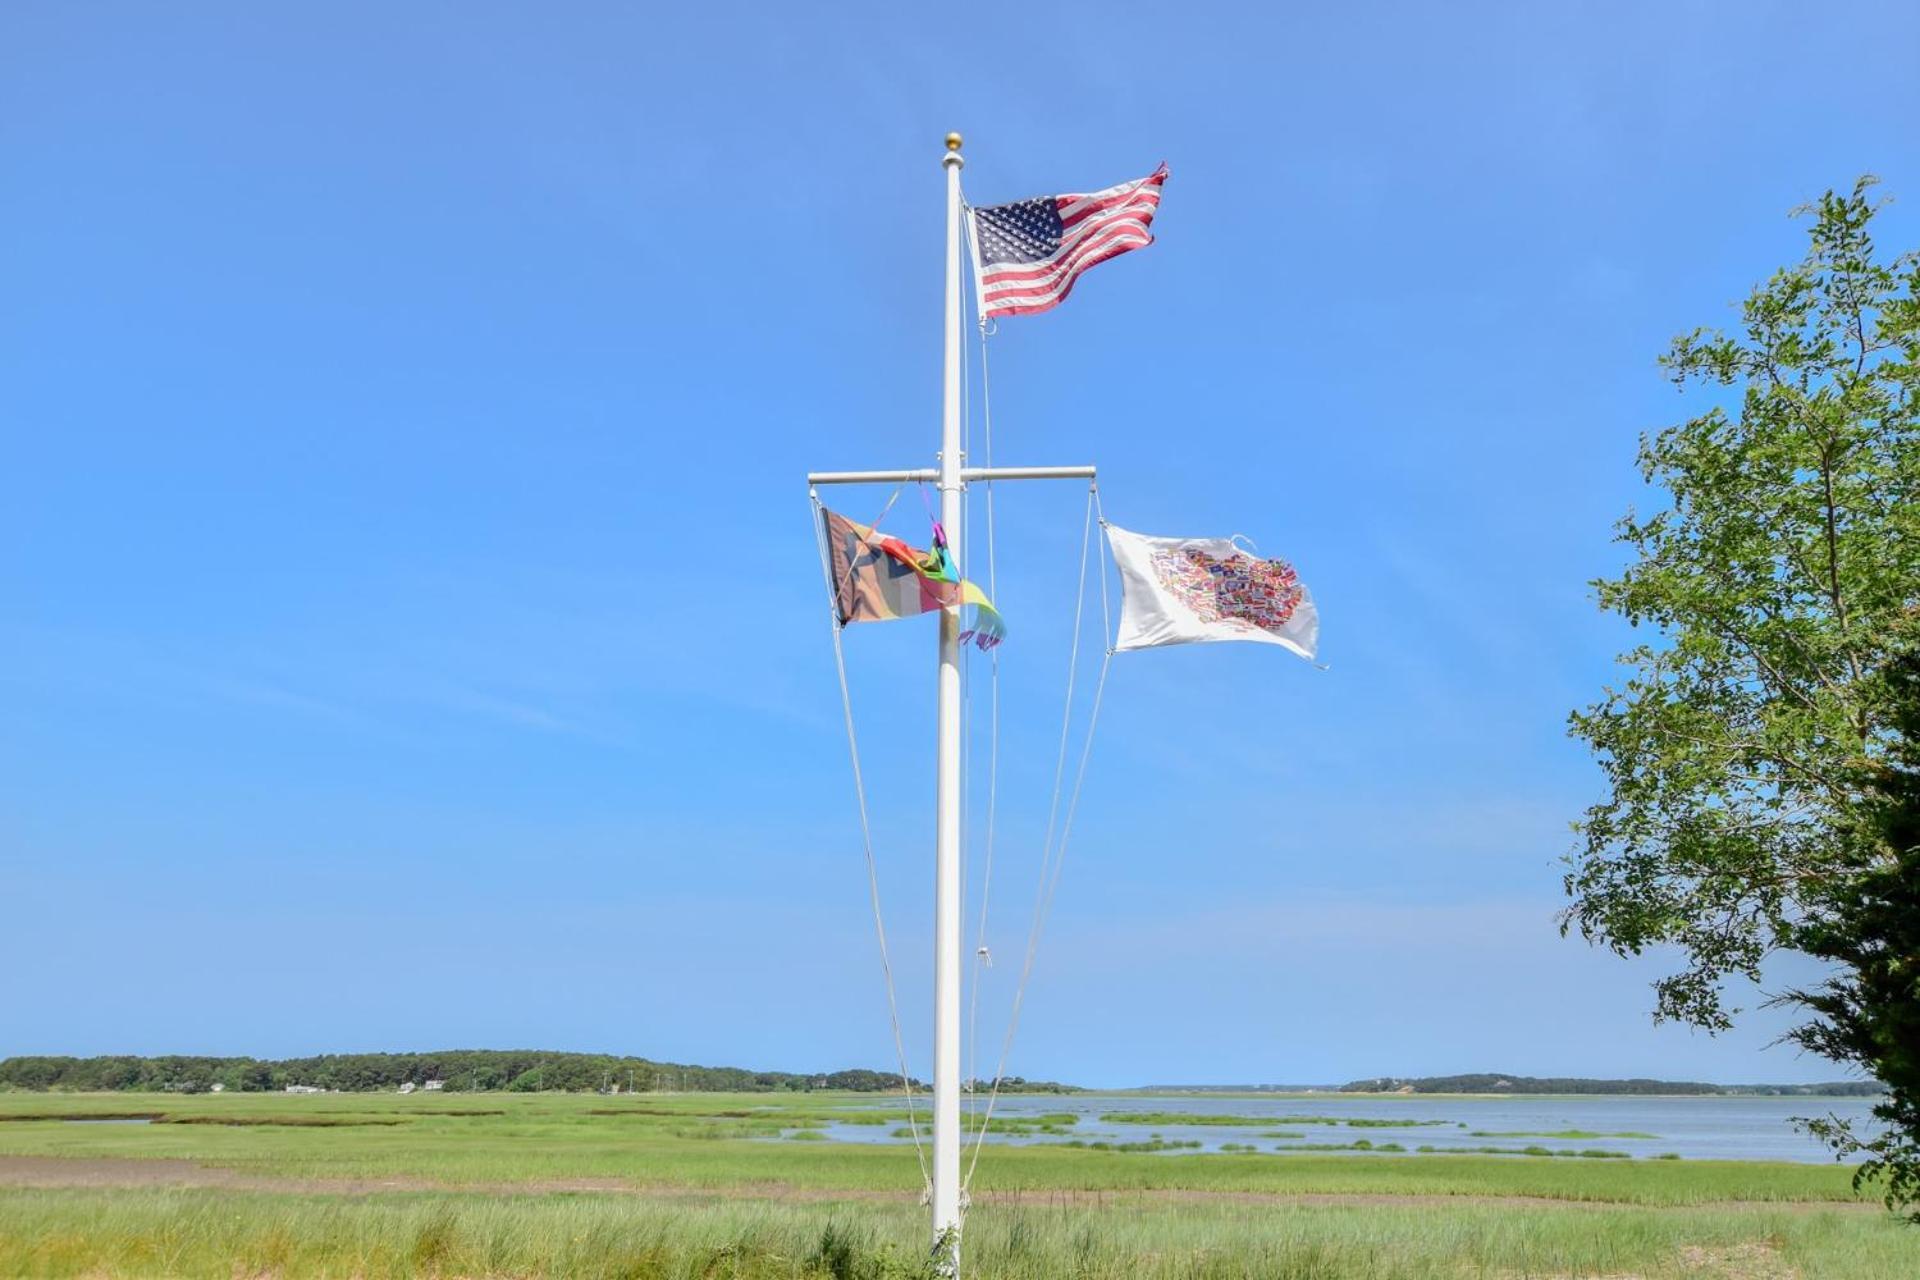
(123, 1119)
(1692, 1128)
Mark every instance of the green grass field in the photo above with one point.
(703, 1186)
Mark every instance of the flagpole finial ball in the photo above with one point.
(953, 142)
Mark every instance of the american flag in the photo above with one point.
(1029, 253)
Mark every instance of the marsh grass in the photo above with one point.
(1007, 1126)
(684, 1142)
(1572, 1135)
(716, 1201)
(294, 1122)
(1359, 1144)
(1589, 1153)
(1168, 1119)
(1155, 1143)
(220, 1235)
(85, 1115)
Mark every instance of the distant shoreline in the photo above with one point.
(1503, 1085)
(1209, 1091)
(542, 1071)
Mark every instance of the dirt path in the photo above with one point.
(111, 1172)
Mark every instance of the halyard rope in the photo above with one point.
(981, 956)
(1059, 828)
(1053, 855)
(866, 829)
(966, 657)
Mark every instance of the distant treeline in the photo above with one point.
(1017, 1084)
(462, 1070)
(1491, 1083)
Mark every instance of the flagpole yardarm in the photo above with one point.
(921, 475)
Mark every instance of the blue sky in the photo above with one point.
(412, 632)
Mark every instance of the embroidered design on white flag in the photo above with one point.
(1188, 590)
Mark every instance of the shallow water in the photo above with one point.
(1699, 1128)
(108, 1119)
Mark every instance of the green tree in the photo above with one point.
(1775, 585)
(1869, 1011)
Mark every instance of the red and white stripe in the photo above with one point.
(1096, 226)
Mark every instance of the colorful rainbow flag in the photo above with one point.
(877, 578)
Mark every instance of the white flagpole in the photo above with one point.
(946, 896)
(952, 476)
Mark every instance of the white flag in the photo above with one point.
(1184, 590)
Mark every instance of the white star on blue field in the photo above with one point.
(1019, 231)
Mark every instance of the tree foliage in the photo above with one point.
(1869, 1010)
(457, 1069)
(1777, 586)
(1773, 583)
